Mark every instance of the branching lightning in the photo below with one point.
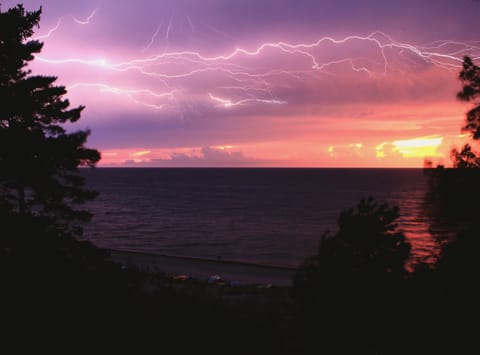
(133, 94)
(241, 77)
(76, 20)
(229, 103)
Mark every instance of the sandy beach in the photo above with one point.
(234, 273)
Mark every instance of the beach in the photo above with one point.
(231, 272)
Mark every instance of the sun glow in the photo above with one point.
(142, 153)
(419, 147)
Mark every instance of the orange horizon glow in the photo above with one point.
(407, 153)
(427, 132)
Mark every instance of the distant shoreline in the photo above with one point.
(200, 259)
(234, 272)
(252, 167)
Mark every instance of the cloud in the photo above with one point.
(141, 153)
(387, 151)
(221, 156)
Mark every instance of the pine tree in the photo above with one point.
(470, 78)
(39, 159)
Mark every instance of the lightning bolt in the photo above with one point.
(50, 32)
(239, 78)
(216, 30)
(167, 34)
(116, 90)
(87, 20)
(155, 34)
(229, 103)
(130, 93)
(192, 28)
(57, 26)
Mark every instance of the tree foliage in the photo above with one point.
(453, 193)
(356, 276)
(367, 244)
(470, 78)
(453, 214)
(39, 159)
(465, 158)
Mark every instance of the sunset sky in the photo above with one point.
(313, 83)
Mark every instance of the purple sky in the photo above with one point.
(262, 83)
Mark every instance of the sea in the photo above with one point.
(267, 216)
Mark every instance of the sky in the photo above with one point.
(273, 83)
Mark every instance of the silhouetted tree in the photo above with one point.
(465, 158)
(457, 265)
(454, 211)
(367, 244)
(453, 193)
(355, 277)
(470, 78)
(39, 159)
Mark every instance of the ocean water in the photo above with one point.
(265, 216)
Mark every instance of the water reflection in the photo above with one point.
(426, 228)
(271, 216)
(432, 218)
